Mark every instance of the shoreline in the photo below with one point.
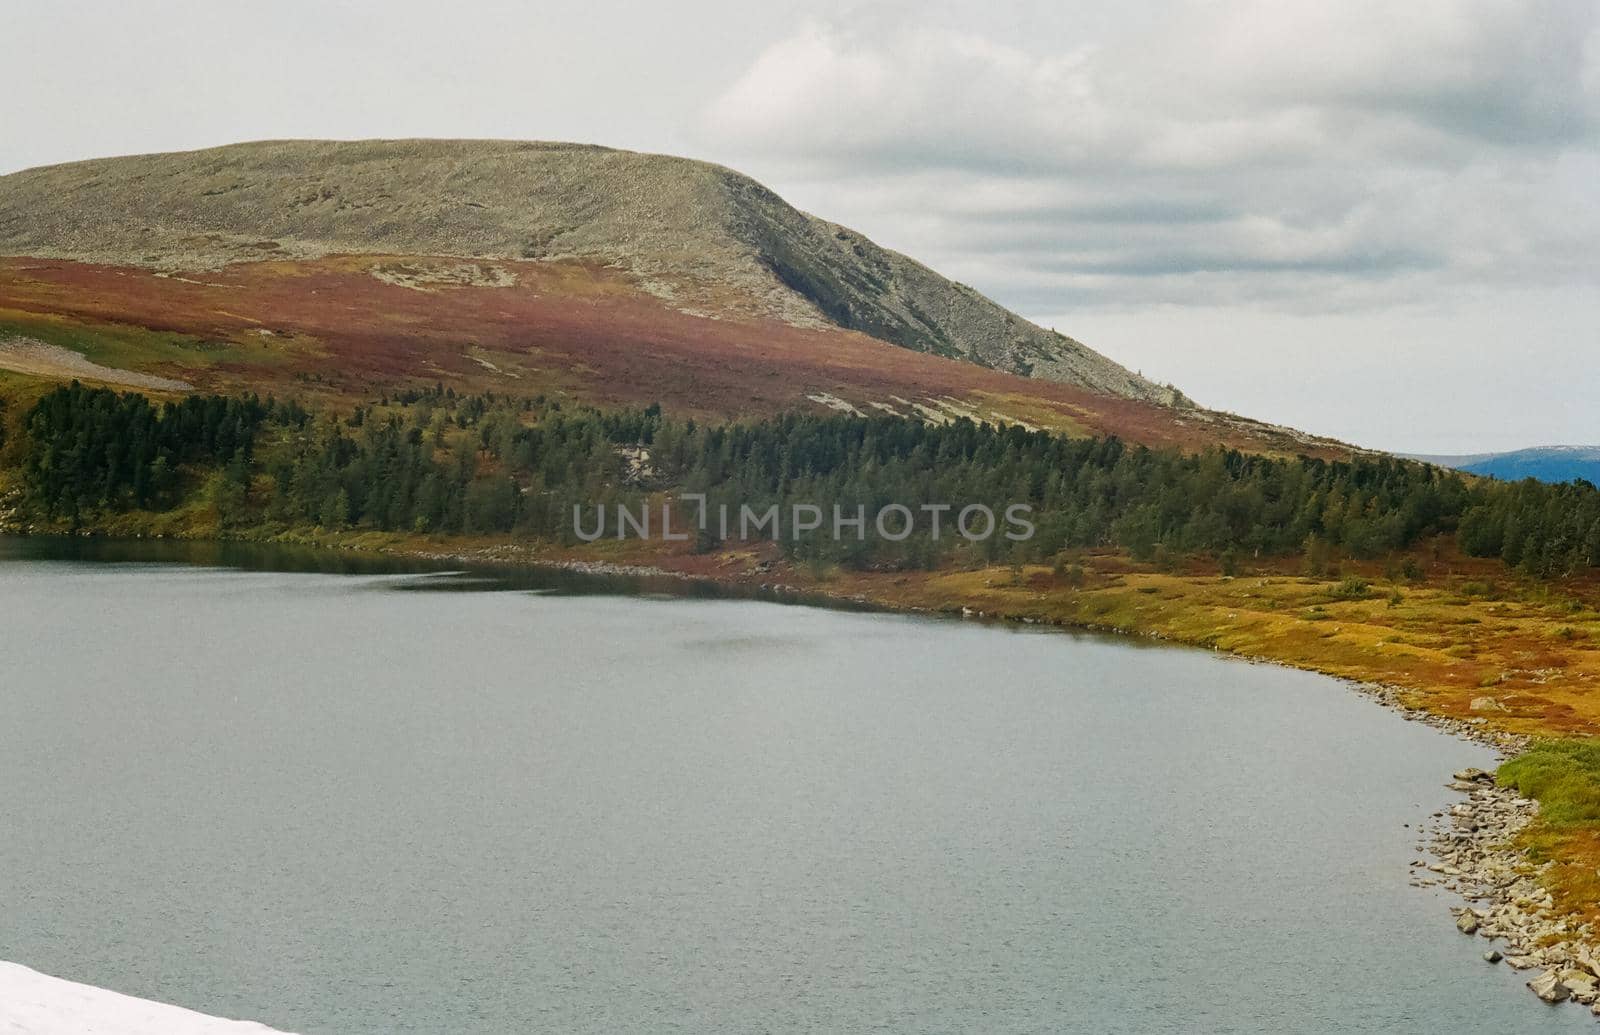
(1503, 901)
(1473, 854)
(1471, 842)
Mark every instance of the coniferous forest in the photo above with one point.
(433, 461)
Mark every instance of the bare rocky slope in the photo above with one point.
(707, 239)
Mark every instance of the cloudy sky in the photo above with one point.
(1371, 219)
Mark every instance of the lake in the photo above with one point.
(362, 800)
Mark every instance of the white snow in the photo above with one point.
(32, 1003)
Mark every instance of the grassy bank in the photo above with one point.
(1564, 776)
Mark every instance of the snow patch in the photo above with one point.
(32, 1003)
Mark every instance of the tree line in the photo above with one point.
(430, 460)
(92, 449)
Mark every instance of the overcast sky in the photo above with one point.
(1367, 218)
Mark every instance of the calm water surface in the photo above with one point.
(345, 803)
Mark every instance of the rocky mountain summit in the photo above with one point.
(708, 240)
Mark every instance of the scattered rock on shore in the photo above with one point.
(1472, 845)
(1549, 987)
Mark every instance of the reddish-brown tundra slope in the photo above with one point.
(351, 326)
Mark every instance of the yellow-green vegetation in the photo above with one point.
(1522, 662)
(1564, 775)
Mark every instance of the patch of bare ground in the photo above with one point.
(27, 356)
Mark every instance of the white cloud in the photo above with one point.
(836, 95)
(1309, 153)
(1496, 70)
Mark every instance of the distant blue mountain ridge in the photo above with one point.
(1546, 463)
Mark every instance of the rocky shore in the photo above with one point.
(1470, 851)
(516, 555)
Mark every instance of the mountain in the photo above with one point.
(338, 270)
(701, 236)
(1546, 463)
